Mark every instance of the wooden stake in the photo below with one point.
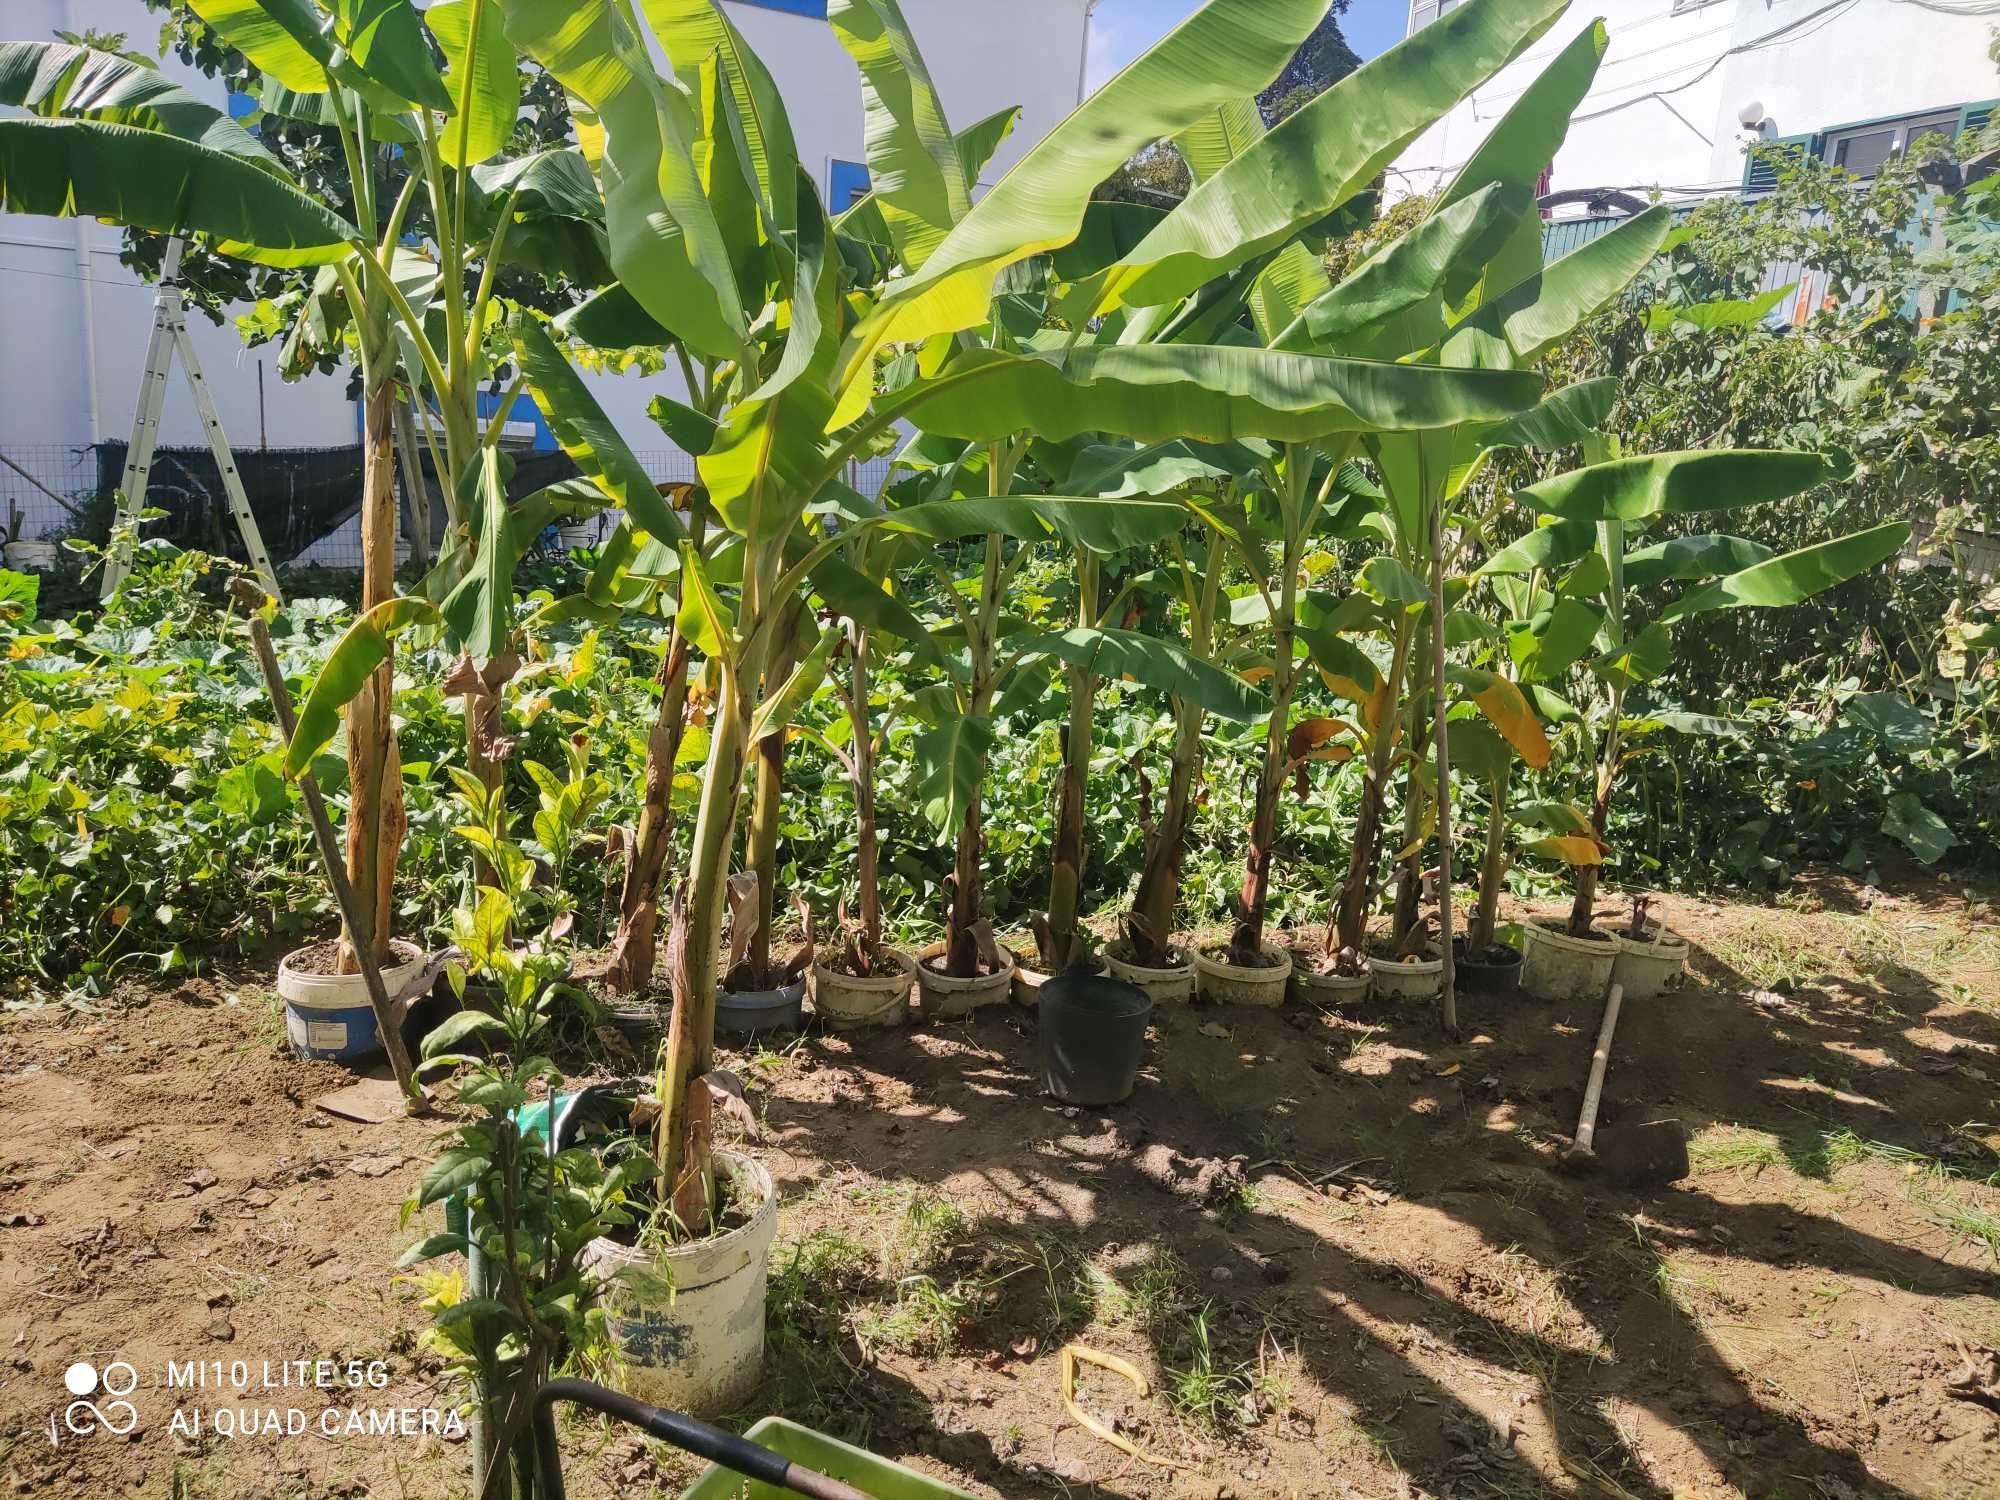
(388, 1012)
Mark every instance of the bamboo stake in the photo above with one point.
(388, 1018)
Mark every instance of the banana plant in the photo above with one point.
(1237, 244)
(637, 571)
(861, 585)
(710, 237)
(1190, 580)
(112, 137)
(1610, 606)
(1463, 289)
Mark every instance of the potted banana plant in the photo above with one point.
(406, 265)
(1608, 600)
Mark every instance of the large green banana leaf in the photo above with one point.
(479, 612)
(979, 140)
(914, 166)
(283, 39)
(1792, 576)
(1544, 549)
(872, 605)
(1521, 324)
(770, 456)
(1314, 161)
(374, 47)
(1524, 142)
(149, 180)
(555, 182)
(385, 39)
(586, 434)
(1220, 136)
(862, 219)
(1161, 665)
(1691, 557)
(667, 244)
(481, 77)
(362, 647)
(1405, 272)
(1227, 49)
(1083, 521)
(1156, 393)
(1564, 418)
(63, 79)
(1654, 484)
(951, 767)
(693, 31)
(1288, 279)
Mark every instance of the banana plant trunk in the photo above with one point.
(693, 960)
(1583, 907)
(636, 944)
(376, 820)
(1441, 730)
(867, 841)
(1066, 873)
(1492, 869)
(961, 948)
(1409, 870)
(1247, 941)
(1357, 891)
(767, 807)
(1159, 895)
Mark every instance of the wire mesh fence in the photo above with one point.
(306, 501)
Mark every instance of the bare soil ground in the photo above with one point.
(1341, 1250)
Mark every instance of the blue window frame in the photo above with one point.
(846, 181)
(796, 7)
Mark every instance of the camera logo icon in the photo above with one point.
(84, 1414)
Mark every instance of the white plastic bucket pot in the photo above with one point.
(844, 1001)
(1649, 967)
(1173, 983)
(1407, 978)
(1225, 983)
(328, 1015)
(1556, 966)
(1027, 988)
(686, 1323)
(948, 999)
(35, 556)
(1331, 990)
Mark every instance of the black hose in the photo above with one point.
(712, 1443)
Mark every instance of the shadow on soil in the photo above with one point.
(1097, 1202)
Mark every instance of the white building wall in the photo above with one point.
(74, 323)
(1662, 114)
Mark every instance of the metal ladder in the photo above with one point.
(170, 334)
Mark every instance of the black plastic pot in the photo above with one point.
(1494, 971)
(742, 1012)
(1093, 1037)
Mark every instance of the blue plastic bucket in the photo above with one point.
(328, 1016)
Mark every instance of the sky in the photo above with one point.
(1122, 29)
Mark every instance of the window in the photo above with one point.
(1863, 149)
(1866, 145)
(815, 8)
(1423, 12)
(846, 181)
